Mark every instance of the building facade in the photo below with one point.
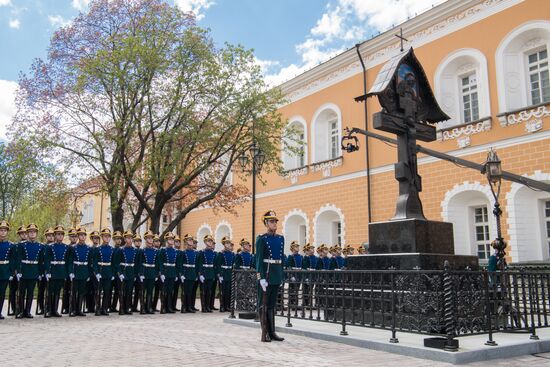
(487, 62)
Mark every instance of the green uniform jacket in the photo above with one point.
(189, 264)
(128, 259)
(105, 261)
(205, 264)
(270, 257)
(58, 260)
(168, 262)
(223, 264)
(149, 265)
(8, 259)
(83, 261)
(30, 259)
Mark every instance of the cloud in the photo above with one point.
(58, 21)
(7, 105)
(14, 23)
(5, 2)
(80, 4)
(194, 6)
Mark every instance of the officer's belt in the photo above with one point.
(208, 265)
(226, 267)
(81, 263)
(311, 269)
(57, 262)
(4, 262)
(168, 264)
(29, 262)
(245, 267)
(272, 261)
(188, 265)
(127, 264)
(296, 268)
(149, 265)
(104, 264)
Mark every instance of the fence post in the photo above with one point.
(343, 331)
(233, 288)
(488, 313)
(288, 299)
(533, 335)
(393, 338)
(450, 345)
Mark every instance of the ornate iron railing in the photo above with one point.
(447, 303)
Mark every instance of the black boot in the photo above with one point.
(271, 326)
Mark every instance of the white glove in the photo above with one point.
(201, 278)
(112, 278)
(162, 277)
(293, 279)
(48, 276)
(40, 277)
(141, 277)
(10, 278)
(19, 276)
(221, 279)
(182, 278)
(263, 284)
(121, 277)
(71, 276)
(98, 277)
(87, 279)
(156, 278)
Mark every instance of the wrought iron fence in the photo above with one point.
(446, 303)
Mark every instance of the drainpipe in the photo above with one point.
(367, 129)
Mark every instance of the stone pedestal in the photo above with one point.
(410, 261)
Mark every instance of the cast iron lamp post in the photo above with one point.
(257, 158)
(493, 170)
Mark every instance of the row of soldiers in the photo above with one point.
(96, 277)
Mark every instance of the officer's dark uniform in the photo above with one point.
(105, 265)
(92, 282)
(310, 264)
(224, 269)
(205, 267)
(128, 260)
(65, 304)
(138, 284)
(58, 265)
(42, 281)
(337, 262)
(14, 283)
(269, 266)
(149, 269)
(83, 271)
(197, 282)
(189, 271)
(244, 260)
(169, 269)
(8, 264)
(177, 282)
(294, 262)
(31, 258)
(158, 283)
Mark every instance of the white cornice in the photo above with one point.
(422, 29)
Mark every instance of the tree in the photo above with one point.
(135, 93)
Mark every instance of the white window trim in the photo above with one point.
(335, 109)
(461, 76)
(473, 233)
(302, 121)
(527, 80)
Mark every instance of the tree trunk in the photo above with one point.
(155, 221)
(117, 213)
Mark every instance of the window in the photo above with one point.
(339, 232)
(301, 158)
(539, 80)
(295, 146)
(482, 236)
(334, 139)
(470, 102)
(547, 223)
(164, 218)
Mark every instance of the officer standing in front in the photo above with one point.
(104, 269)
(269, 257)
(31, 257)
(8, 262)
(83, 269)
(14, 283)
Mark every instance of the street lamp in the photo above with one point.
(257, 159)
(493, 170)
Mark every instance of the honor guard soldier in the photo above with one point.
(128, 265)
(244, 259)
(324, 260)
(83, 270)
(361, 250)
(31, 256)
(169, 271)
(207, 274)
(104, 270)
(197, 282)
(178, 283)
(269, 257)
(14, 283)
(294, 262)
(149, 270)
(91, 284)
(310, 264)
(73, 239)
(224, 268)
(348, 251)
(58, 267)
(188, 274)
(117, 240)
(138, 285)
(158, 283)
(337, 262)
(42, 282)
(8, 262)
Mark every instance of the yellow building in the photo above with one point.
(487, 62)
(92, 205)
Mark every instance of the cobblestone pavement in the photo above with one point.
(183, 340)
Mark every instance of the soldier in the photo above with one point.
(269, 256)
(324, 260)
(83, 269)
(30, 256)
(197, 281)
(177, 283)
(294, 262)
(58, 267)
(128, 265)
(244, 259)
(169, 271)
(92, 282)
(188, 275)
(361, 250)
(105, 269)
(205, 269)
(224, 266)
(348, 251)
(310, 264)
(73, 239)
(138, 284)
(14, 283)
(148, 273)
(8, 262)
(337, 262)
(158, 283)
(42, 282)
(117, 240)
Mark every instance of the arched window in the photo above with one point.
(295, 228)
(326, 132)
(329, 226)
(522, 66)
(297, 142)
(462, 87)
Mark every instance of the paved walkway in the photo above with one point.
(182, 340)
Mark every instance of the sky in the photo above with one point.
(288, 36)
